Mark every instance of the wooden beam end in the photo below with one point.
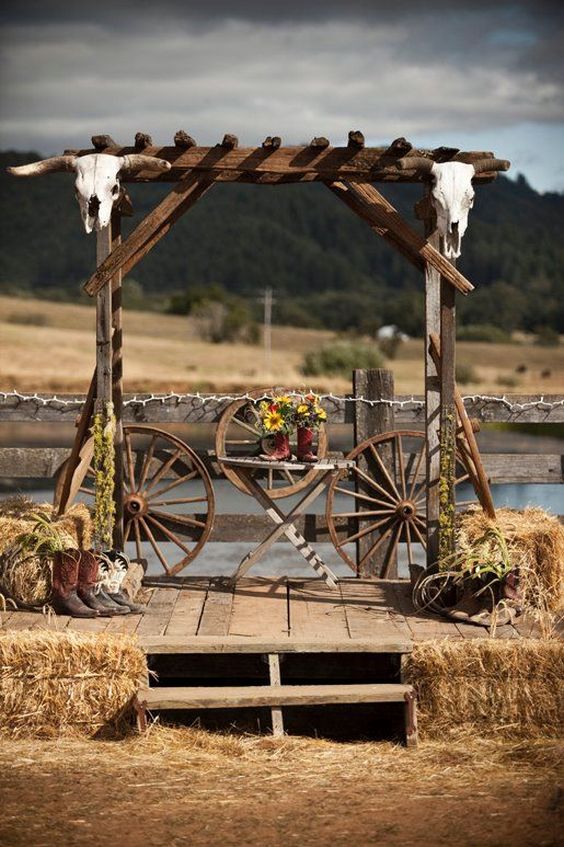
(100, 142)
(230, 142)
(271, 142)
(319, 142)
(142, 140)
(356, 139)
(183, 140)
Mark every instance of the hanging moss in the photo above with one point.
(447, 530)
(103, 430)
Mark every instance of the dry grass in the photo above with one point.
(163, 351)
(535, 542)
(187, 787)
(27, 578)
(66, 683)
(491, 687)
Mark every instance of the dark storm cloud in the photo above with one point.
(256, 68)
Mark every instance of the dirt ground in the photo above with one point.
(186, 787)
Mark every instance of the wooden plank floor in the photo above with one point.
(272, 608)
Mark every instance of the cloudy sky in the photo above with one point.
(475, 75)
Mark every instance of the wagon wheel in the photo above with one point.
(168, 496)
(387, 496)
(239, 434)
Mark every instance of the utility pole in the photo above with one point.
(267, 299)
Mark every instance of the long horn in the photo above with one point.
(415, 163)
(140, 162)
(45, 166)
(491, 165)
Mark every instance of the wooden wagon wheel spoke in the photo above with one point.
(391, 551)
(127, 531)
(358, 496)
(163, 469)
(178, 501)
(408, 543)
(401, 465)
(147, 461)
(421, 538)
(243, 415)
(174, 538)
(175, 483)
(416, 471)
(177, 519)
(463, 478)
(384, 470)
(364, 515)
(373, 484)
(138, 544)
(361, 533)
(370, 552)
(153, 543)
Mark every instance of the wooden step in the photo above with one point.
(250, 696)
(241, 644)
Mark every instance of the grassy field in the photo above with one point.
(187, 787)
(48, 346)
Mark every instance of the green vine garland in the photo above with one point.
(447, 527)
(103, 430)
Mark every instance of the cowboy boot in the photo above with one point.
(281, 451)
(87, 583)
(120, 563)
(305, 445)
(64, 598)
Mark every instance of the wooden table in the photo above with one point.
(284, 523)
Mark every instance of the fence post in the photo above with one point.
(374, 384)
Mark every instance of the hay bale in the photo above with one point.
(535, 541)
(28, 578)
(66, 683)
(490, 686)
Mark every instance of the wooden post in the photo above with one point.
(440, 410)
(117, 385)
(374, 384)
(425, 211)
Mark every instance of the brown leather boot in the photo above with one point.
(64, 598)
(305, 445)
(87, 582)
(281, 450)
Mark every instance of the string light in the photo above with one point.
(206, 399)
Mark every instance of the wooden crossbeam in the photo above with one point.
(149, 231)
(386, 220)
(292, 164)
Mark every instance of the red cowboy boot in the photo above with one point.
(305, 445)
(64, 598)
(281, 451)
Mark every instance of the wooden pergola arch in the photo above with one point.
(349, 173)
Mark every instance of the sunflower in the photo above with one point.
(303, 409)
(321, 413)
(273, 421)
(284, 400)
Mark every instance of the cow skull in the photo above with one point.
(452, 194)
(97, 181)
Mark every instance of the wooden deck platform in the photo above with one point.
(272, 610)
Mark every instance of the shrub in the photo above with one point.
(341, 357)
(507, 380)
(547, 336)
(465, 373)
(28, 319)
(483, 332)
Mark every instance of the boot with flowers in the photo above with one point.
(277, 419)
(309, 417)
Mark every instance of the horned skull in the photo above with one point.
(97, 184)
(452, 194)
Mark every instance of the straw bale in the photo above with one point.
(28, 578)
(489, 686)
(535, 541)
(66, 683)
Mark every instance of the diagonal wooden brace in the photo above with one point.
(149, 231)
(372, 207)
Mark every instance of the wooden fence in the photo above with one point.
(19, 463)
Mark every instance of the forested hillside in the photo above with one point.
(325, 265)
